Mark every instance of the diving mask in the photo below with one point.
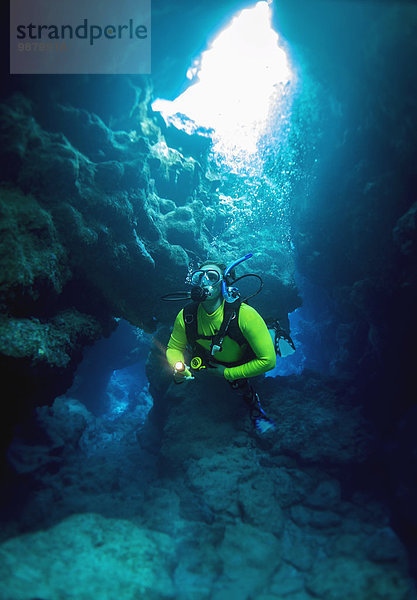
(205, 278)
(202, 282)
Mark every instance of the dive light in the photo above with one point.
(181, 367)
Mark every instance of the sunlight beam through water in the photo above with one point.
(237, 77)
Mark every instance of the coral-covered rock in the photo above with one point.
(175, 176)
(111, 558)
(79, 239)
(333, 576)
(405, 231)
(317, 426)
(249, 557)
(38, 359)
(256, 507)
(34, 263)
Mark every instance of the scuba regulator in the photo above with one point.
(197, 363)
(204, 281)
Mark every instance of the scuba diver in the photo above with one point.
(227, 337)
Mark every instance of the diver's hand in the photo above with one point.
(183, 375)
(217, 370)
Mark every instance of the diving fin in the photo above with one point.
(284, 346)
(265, 425)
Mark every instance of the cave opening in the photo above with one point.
(234, 84)
(240, 96)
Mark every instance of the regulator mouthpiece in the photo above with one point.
(179, 367)
(198, 293)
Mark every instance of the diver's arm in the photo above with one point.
(256, 333)
(177, 342)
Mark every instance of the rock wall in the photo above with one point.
(79, 226)
(354, 219)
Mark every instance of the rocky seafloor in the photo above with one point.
(190, 502)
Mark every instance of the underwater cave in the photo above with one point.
(254, 164)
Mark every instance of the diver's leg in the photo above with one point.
(257, 415)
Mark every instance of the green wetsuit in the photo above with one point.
(253, 328)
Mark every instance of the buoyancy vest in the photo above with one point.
(229, 327)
